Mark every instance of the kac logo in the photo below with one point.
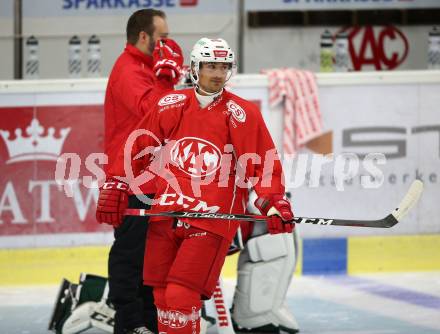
(195, 156)
(237, 112)
(171, 99)
(177, 319)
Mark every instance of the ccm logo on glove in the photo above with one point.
(115, 185)
(112, 202)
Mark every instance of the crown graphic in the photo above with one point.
(34, 146)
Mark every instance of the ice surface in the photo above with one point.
(401, 303)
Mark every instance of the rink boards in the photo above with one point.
(36, 219)
(353, 255)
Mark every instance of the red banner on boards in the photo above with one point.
(32, 138)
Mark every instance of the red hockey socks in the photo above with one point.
(162, 311)
(183, 306)
(177, 309)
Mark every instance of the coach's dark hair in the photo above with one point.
(142, 20)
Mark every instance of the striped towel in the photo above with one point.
(298, 91)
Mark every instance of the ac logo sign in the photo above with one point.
(383, 48)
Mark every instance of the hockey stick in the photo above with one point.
(390, 220)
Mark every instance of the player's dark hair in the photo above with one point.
(142, 20)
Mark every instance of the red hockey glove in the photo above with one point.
(281, 220)
(112, 202)
(168, 60)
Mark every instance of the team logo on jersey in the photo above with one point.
(171, 99)
(195, 156)
(236, 111)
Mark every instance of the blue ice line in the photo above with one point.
(389, 291)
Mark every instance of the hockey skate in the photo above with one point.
(140, 330)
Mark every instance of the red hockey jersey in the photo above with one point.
(132, 89)
(209, 156)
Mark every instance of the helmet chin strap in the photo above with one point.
(200, 89)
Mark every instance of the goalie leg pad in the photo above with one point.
(79, 320)
(103, 317)
(265, 270)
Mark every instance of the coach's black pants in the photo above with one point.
(132, 300)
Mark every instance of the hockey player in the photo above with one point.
(251, 311)
(208, 135)
(149, 66)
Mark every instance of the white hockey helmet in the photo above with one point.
(208, 50)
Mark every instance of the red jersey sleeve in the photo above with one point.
(150, 134)
(254, 148)
(138, 89)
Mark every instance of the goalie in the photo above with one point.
(265, 270)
